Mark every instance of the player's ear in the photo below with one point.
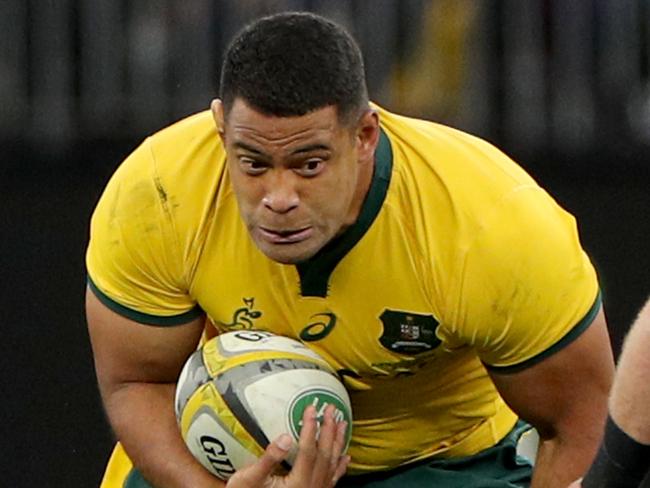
(367, 136)
(216, 107)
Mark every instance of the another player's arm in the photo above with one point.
(631, 391)
(565, 398)
(622, 459)
(137, 367)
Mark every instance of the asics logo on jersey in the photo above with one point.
(323, 324)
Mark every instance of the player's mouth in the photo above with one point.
(286, 236)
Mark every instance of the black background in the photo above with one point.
(54, 433)
(57, 434)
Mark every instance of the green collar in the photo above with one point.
(315, 272)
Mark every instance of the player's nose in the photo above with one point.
(281, 195)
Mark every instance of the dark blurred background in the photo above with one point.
(561, 86)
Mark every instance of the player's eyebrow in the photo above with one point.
(246, 147)
(311, 147)
(318, 146)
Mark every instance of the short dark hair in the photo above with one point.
(292, 63)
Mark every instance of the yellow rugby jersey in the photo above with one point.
(459, 261)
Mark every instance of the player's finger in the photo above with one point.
(257, 473)
(341, 468)
(325, 462)
(306, 456)
(340, 461)
(340, 439)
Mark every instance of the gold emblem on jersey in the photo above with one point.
(243, 317)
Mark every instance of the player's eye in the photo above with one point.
(310, 167)
(251, 166)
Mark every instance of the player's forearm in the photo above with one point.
(631, 391)
(562, 459)
(142, 415)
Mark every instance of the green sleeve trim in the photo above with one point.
(135, 480)
(571, 336)
(144, 318)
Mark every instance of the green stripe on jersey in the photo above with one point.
(572, 335)
(140, 317)
(316, 271)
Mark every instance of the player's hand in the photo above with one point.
(576, 484)
(318, 464)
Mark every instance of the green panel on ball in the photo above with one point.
(320, 399)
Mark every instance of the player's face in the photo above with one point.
(299, 181)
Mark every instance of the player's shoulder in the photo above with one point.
(465, 181)
(179, 141)
(432, 140)
(187, 150)
(192, 138)
(187, 127)
(404, 127)
(183, 162)
(435, 152)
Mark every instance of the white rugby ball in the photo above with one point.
(242, 389)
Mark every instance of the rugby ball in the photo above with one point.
(242, 389)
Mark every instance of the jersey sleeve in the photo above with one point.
(134, 259)
(526, 286)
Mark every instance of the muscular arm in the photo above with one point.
(631, 391)
(565, 398)
(622, 459)
(137, 367)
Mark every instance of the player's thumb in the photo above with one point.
(277, 450)
(268, 462)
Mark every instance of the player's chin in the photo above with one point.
(289, 253)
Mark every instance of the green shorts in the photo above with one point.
(496, 467)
